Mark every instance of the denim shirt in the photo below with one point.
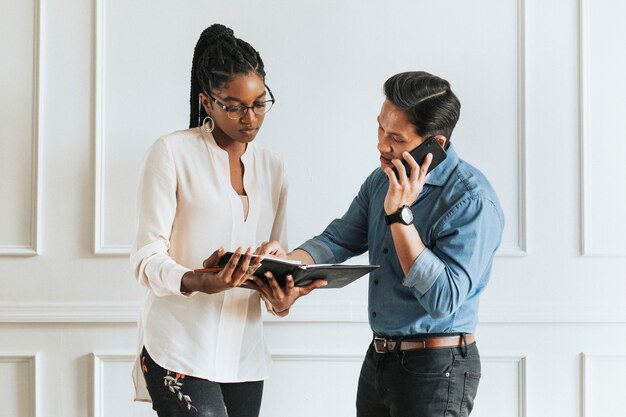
(459, 219)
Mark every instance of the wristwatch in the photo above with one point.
(404, 216)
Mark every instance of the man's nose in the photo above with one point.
(383, 144)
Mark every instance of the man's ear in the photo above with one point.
(442, 140)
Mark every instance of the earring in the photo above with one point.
(208, 124)
(199, 108)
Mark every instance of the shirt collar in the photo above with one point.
(208, 137)
(439, 176)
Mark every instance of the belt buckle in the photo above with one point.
(385, 344)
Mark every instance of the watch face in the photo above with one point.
(407, 215)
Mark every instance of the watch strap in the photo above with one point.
(393, 218)
(397, 216)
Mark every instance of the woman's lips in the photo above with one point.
(249, 130)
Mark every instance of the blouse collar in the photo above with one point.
(208, 137)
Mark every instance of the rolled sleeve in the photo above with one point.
(345, 237)
(156, 209)
(318, 251)
(157, 271)
(424, 272)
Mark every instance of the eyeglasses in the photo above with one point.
(237, 112)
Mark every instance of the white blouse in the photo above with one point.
(187, 208)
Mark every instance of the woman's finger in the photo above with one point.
(273, 284)
(229, 269)
(254, 285)
(315, 284)
(243, 267)
(214, 258)
(290, 282)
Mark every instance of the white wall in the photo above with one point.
(88, 85)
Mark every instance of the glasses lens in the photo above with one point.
(263, 108)
(236, 112)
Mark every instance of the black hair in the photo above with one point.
(427, 100)
(217, 58)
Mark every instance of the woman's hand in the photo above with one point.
(403, 189)
(214, 258)
(281, 298)
(238, 270)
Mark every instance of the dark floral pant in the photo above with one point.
(178, 395)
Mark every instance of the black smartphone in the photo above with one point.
(430, 145)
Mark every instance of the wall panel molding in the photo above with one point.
(584, 84)
(98, 364)
(34, 247)
(69, 312)
(587, 384)
(304, 312)
(521, 248)
(520, 362)
(316, 357)
(30, 359)
(100, 246)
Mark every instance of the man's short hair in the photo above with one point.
(427, 100)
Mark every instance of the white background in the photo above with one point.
(87, 86)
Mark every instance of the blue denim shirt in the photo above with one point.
(459, 219)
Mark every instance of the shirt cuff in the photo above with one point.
(320, 253)
(424, 272)
(174, 278)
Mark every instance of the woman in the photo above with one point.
(201, 348)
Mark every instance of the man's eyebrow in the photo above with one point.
(391, 133)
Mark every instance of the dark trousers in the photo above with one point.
(178, 395)
(419, 383)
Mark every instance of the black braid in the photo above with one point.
(217, 57)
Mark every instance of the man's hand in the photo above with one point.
(272, 248)
(404, 190)
(281, 298)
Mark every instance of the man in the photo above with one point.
(434, 236)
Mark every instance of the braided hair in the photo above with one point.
(217, 58)
(427, 100)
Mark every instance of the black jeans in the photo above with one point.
(178, 395)
(419, 383)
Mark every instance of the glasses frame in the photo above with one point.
(227, 109)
